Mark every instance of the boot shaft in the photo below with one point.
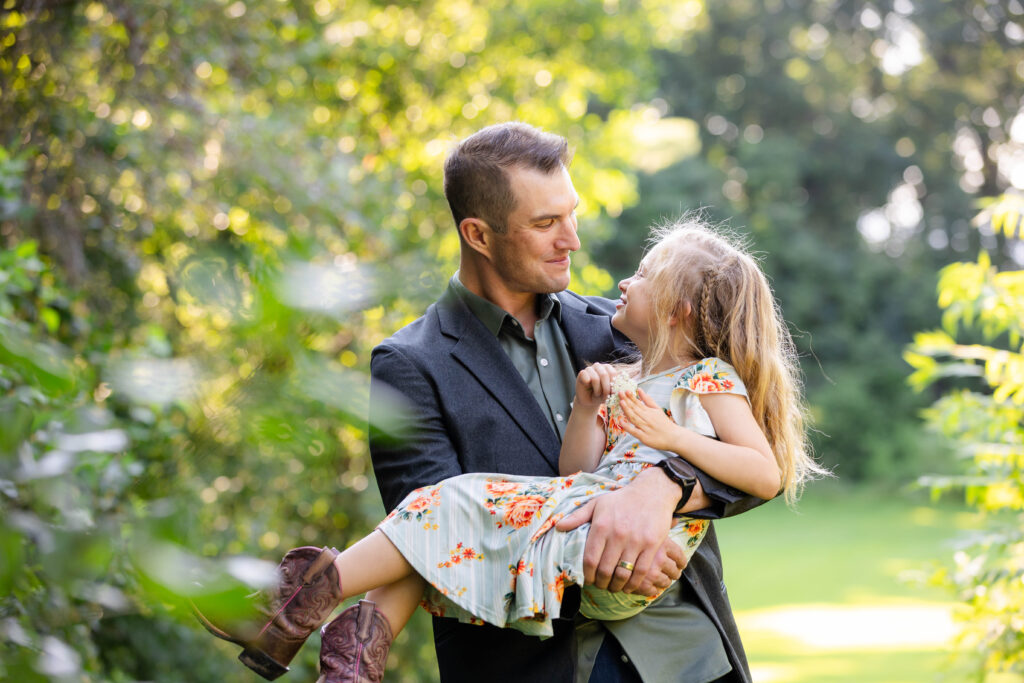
(354, 647)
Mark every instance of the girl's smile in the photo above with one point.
(633, 311)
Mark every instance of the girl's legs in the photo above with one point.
(398, 600)
(370, 563)
(374, 564)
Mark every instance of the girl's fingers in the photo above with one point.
(648, 401)
(607, 375)
(640, 433)
(632, 408)
(598, 379)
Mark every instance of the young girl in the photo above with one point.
(716, 384)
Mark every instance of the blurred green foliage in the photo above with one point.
(982, 410)
(211, 211)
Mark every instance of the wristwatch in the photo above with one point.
(682, 473)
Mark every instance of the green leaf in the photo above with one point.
(26, 249)
(50, 318)
(42, 364)
(15, 424)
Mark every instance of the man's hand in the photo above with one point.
(630, 525)
(669, 563)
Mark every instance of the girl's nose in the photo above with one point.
(623, 284)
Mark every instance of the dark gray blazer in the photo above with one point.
(469, 410)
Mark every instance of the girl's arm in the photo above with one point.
(584, 438)
(741, 457)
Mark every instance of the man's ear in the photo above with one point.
(477, 234)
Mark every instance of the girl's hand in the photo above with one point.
(647, 421)
(593, 386)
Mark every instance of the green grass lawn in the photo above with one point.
(841, 548)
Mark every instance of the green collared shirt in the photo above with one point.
(543, 361)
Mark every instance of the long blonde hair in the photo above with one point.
(735, 318)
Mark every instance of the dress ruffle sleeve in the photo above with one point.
(707, 376)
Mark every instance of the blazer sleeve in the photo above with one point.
(416, 450)
(725, 500)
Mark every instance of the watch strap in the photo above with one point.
(683, 474)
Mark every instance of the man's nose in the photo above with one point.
(568, 238)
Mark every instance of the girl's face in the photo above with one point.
(634, 314)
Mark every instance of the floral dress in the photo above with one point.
(485, 544)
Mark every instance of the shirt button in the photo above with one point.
(558, 416)
(543, 362)
(625, 659)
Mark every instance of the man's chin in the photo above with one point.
(553, 285)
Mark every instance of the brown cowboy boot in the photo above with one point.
(354, 647)
(307, 593)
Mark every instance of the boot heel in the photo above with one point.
(262, 663)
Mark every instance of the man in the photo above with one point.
(488, 374)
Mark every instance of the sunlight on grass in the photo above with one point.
(909, 667)
(833, 591)
(922, 626)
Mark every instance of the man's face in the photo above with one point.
(533, 255)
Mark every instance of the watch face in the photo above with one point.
(677, 470)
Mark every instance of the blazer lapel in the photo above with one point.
(481, 354)
(589, 335)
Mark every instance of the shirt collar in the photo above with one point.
(493, 316)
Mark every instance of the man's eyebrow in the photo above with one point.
(537, 219)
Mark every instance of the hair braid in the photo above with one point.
(705, 334)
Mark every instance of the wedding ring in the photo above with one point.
(628, 566)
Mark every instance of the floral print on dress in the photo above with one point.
(418, 508)
(458, 554)
(562, 578)
(515, 502)
(546, 526)
(711, 376)
(695, 529)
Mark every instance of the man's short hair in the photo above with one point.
(476, 181)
